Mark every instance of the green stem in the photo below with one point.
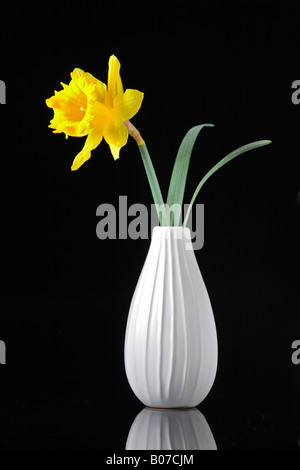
(154, 185)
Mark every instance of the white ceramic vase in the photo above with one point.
(171, 342)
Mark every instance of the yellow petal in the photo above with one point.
(116, 136)
(127, 105)
(93, 140)
(102, 115)
(114, 82)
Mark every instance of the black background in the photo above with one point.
(65, 294)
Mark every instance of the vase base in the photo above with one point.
(171, 408)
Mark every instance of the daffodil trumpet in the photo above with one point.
(88, 107)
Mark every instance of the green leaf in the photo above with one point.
(230, 156)
(180, 170)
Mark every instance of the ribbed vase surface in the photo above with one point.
(171, 342)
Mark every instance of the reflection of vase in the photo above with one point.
(171, 340)
(170, 430)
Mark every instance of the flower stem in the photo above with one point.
(134, 133)
(151, 175)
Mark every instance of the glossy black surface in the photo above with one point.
(64, 385)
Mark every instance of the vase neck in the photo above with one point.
(172, 233)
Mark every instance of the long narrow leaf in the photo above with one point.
(230, 156)
(180, 170)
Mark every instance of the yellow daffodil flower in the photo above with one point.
(88, 107)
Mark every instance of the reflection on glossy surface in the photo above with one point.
(168, 429)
